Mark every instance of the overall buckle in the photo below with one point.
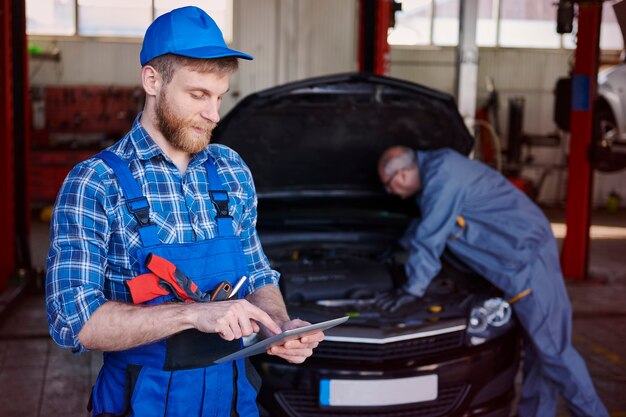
(140, 208)
(220, 201)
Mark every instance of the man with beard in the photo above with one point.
(159, 217)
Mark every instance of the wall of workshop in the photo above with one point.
(527, 73)
(85, 62)
(94, 79)
(295, 39)
(289, 39)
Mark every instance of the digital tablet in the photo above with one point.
(261, 346)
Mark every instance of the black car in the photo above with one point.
(330, 229)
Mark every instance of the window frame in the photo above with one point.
(110, 38)
(497, 7)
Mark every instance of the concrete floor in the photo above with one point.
(39, 379)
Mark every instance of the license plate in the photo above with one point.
(377, 392)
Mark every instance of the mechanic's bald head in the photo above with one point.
(398, 171)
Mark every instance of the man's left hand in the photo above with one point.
(395, 300)
(298, 349)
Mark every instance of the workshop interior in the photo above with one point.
(533, 89)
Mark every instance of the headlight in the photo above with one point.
(489, 319)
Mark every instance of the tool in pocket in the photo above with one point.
(166, 279)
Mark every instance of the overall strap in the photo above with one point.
(220, 199)
(136, 203)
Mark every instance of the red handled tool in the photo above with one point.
(165, 279)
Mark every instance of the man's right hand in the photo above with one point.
(230, 319)
(118, 326)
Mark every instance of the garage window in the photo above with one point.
(446, 22)
(528, 24)
(56, 17)
(112, 18)
(506, 23)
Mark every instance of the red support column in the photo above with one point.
(375, 17)
(575, 254)
(21, 137)
(7, 179)
(381, 46)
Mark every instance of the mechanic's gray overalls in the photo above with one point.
(176, 376)
(494, 241)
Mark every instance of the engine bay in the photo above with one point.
(324, 281)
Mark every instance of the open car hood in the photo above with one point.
(326, 133)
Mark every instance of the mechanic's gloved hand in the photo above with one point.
(392, 301)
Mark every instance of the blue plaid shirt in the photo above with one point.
(92, 236)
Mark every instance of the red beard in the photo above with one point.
(183, 134)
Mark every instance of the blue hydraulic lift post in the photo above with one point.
(575, 253)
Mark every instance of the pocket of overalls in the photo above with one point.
(253, 376)
(148, 396)
(195, 349)
(131, 377)
(208, 282)
(459, 228)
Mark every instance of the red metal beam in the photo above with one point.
(21, 138)
(575, 254)
(381, 46)
(7, 179)
(374, 22)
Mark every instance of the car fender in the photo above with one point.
(611, 90)
(612, 100)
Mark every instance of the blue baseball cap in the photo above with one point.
(187, 31)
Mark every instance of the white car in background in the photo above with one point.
(611, 104)
(610, 111)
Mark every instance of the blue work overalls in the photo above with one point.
(176, 376)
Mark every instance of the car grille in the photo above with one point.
(406, 349)
(305, 404)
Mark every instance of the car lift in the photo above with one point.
(375, 19)
(575, 252)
